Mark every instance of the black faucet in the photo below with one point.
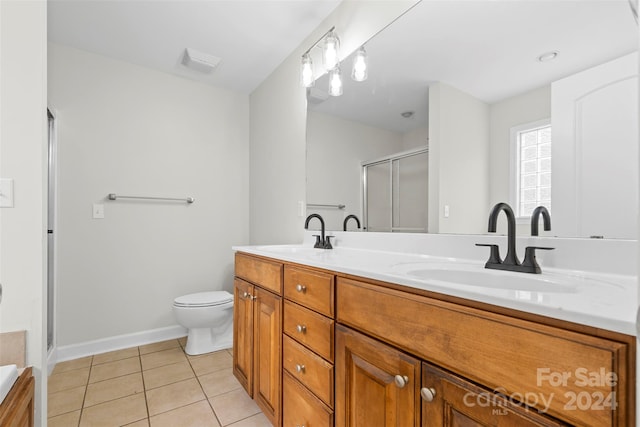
(321, 241)
(540, 210)
(511, 262)
(344, 224)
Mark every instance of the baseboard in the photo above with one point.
(104, 345)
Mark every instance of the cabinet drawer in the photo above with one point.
(267, 274)
(513, 356)
(309, 328)
(301, 408)
(311, 370)
(309, 288)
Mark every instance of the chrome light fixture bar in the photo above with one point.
(307, 78)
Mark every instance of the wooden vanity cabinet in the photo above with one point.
(377, 385)
(17, 408)
(257, 335)
(308, 347)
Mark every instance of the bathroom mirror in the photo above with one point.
(497, 59)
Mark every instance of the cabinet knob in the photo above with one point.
(300, 369)
(301, 288)
(428, 394)
(401, 380)
(245, 295)
(301, 328)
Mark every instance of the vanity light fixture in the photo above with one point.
(360, 70)
(335, 81)
(330, 50)
(306, 73)
(330, 45)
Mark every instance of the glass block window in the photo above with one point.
(534, 169)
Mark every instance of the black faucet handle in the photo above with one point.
(319, 244)
(327, 242)
(494, 255)
(530, 258)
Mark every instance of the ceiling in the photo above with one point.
(252, 37)
(486, 48)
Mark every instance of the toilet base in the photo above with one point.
(202, 340)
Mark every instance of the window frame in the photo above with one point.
(514, 160)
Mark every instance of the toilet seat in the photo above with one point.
(204, 299)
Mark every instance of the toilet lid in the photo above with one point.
(204, 299)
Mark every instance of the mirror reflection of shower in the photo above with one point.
(395, 192)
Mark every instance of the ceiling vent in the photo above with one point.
(199, 61)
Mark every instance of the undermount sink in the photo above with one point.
(290, 249)
(475, 275)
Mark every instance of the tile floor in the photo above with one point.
(155, 385)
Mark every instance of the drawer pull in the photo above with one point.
(301, 288)
(300, 369)
(401, 380)
(302, 329)
(428, 394)
(247, 295)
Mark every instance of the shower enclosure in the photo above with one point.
(395, 192)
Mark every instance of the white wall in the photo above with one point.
(23, 154)
(416, 138)
(278, 124)
(458, 161)
(336, 149)
(133, 131)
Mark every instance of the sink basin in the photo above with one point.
(492, 279)
(475, 275)
(290, 249)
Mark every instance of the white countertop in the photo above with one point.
(602, 300)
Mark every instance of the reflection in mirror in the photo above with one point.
(466, 74)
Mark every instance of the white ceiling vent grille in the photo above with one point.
(199, 61)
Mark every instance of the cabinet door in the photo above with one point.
(267, 362)
(376, 385)
(243, 334)
(448, 400)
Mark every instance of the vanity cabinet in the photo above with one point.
(377, 385)
(257, 337)
(17, 408)
(308, 347)
(318, 348)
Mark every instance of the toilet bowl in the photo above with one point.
(209, 318)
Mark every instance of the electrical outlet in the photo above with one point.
(98, 211)
(6, 193)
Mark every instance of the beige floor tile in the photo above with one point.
(65, 401)
(219, 382)
(230, 351)
(66, 380)
(258, 420)
(183, 341)
(233, 406)
(117, 412)
(114, 388)
(159, 346)
(69, 365)
(70, 419)
(168, 374)
(141, 423)
(115, 369)
(197, 414)
(115, 355)
(211, 362)
(161, 358)
(172, 396)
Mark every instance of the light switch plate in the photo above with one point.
(6, 193)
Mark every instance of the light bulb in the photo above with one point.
(330, 51)
(335, 82)
(306, 72)
(360, 70)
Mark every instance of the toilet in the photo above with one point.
(209, 318)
